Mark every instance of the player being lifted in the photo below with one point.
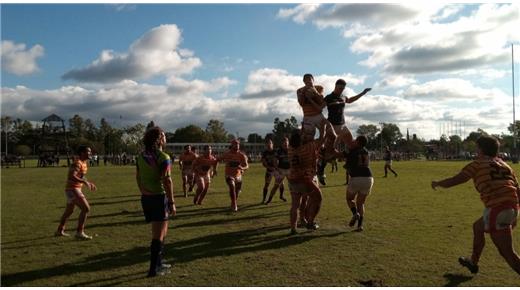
(185, 163)
(204, 167)
(236, 164)
(312, 104)
(75, 197)
(498, 187)
(282, 169)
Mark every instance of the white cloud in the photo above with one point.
(18, 59)
(157, 52)
(299, 13)
(395, 81)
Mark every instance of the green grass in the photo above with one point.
(413, 235)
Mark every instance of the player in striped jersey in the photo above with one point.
(498, 187)
(205, 166)
(282, 169)
(185, 163)
(236, 164)
(303, 155)
(269, 162)
(75, 197)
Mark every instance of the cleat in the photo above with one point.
(322, 181)
(283, 198)
(472, 267)
(293, 232)
(314, 226)
(353, 220)
(165, 266)
(83, 236)
(61, 234)
(359, 229)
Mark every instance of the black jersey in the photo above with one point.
(355, 165)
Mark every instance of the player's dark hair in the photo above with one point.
(267, 140)
(362, 140)
(489, 145)
(82, 149)
(296, 139)
(150, 138)
(186, 147)
(306, 76)
(341, 82)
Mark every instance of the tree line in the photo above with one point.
(25, 137)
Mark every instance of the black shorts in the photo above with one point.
(155, 207)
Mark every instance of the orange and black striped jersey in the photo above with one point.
(187, 159)
(305, 93)
(234, 159)
(303, 161)
(78, 168)
(494, 180)
(203, 164)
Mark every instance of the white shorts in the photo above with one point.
(234, 179)
(311, 123)
(187, 171)
(73, 194)
(388, 162)
(360, 185)
(499, 218)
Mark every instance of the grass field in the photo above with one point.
(413, 235)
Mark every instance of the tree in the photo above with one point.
(390, 134)
(23, 150)
(132, 138)
(190, 134)
(216, 132)
(283, 129)
(254, 138)
(370, 131)
(91, 131)
(77, 126)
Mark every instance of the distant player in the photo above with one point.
(361, 180)
(153, 178)
(312, 104)
(498, 187)
(205, 166)
(388, 156)
(303, 155)
(236, 164)
(185, 163)
(75, 197)
(269, 162)
(282, 169)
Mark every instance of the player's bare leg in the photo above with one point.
(232, 194)
(203, 193)
(199, 190)
(503, 240)
(268, 178)
(184, 183)
(303, 210)
(360, 205)
(83, 204)
(69, 209)
(296, 199)
(314, 205)
(191, 182)
(351, 197)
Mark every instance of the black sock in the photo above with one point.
(155, 249)
(281, 190)
(360, 221)
(161, 255)
(353, 210)
(265, 193)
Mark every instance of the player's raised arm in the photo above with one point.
(452, 181)
(244, 165)
(356, 97)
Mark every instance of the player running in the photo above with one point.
(236, 164)
(185, 163)
(498, 187)
(361, 180)
(269, 162)
(205, 167)
(75, 197)
(154, 181)
(282, 169)
(388, 161)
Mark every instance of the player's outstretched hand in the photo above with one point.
(172, 209)
(367, 90)
(434, 185)
(92, 186)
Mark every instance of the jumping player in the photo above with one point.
(185, 163)
(236, 164)
(269, 162)
(205, 166)
(498, 187)
(388, 161)
(282, 169)
(75, 197)
(154, 181)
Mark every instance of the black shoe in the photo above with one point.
(314, 226)
(302, 224)
(321, 179)
(473, 268)
(353, 220)
(283, 198)
(293, 232)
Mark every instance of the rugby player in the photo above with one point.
(282, 169)
(388, 161)
(205, 166)
(236, 164)
(269, 162)
(185, 163)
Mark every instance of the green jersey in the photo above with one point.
(152, 167)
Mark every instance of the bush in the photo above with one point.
(23, 150)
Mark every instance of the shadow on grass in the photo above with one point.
(135, 199)
(222, 244)
(455, 280)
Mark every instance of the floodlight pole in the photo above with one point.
(513, 85)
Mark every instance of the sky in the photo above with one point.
(428, 64)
